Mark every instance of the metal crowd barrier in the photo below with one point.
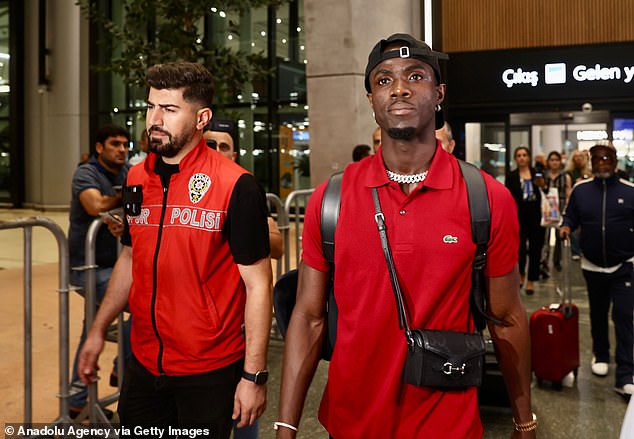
(275, 205)
(27, 224)
(295, 200)
(94, 405)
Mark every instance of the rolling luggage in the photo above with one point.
(554, 333)
(492, 392)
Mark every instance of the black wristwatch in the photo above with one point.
(259, 378)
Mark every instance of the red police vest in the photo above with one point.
(187, 297)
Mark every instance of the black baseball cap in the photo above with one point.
(411, 48)
(601, 149)
(221, 125)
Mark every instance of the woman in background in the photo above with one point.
(556, 178)
(579, 166)
(579, 169)
(524, 184)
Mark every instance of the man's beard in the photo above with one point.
(111, 164)
(603, 175)
(401, 133)
(172, 147)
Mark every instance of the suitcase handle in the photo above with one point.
(567, 310)
(566, 297)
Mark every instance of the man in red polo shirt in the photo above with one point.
(424, 200)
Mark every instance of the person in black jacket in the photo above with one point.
(603, 207)
(524, 184)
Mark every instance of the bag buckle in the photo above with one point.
(479, 261)
(448, 369)
(409, 338)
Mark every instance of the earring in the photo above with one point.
(438, 108)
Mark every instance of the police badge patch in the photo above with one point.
(198, 186)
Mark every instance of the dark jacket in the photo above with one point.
(528, 211)
(604, 209)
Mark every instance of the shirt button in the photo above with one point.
(402, 212)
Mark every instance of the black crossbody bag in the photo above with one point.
(444, 360)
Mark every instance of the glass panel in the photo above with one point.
(623, 135)
(520, 136)
(5, 139)
(247, 33)
(485, 147)
(260, 136)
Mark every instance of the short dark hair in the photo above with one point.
(360, 151)
(194, 78)
(553, 153)
(111, 130)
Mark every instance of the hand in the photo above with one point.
(564, 232)
(115, 225)
(249, 402)
(87, 366)
(540, 182)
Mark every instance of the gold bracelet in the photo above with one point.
(526, 426)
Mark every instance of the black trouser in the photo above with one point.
(531, 236)
(193, 401)
(618, 288)
(546, 249)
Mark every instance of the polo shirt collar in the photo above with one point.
(440, 174)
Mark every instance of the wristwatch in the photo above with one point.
(259, 378)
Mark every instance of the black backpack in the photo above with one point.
(285, 289)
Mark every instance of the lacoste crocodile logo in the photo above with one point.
(448, 239)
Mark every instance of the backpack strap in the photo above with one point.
(480, 234)
(329, 217)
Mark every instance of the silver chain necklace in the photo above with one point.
(406, 179)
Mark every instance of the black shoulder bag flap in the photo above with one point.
(444, 360)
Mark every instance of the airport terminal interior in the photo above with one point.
(586, 407)
(551, 75)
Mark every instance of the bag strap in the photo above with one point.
(403, 322)
(329, 216)
(480, 234)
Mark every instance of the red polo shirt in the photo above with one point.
(430, 236)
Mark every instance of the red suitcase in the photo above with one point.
(555, 334)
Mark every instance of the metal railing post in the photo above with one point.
(90, 305)
(27, 224)
(293, 201)
(95, 410)
(282, 224)
(28, 326)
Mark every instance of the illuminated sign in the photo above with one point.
(592, 135)
(556, 74)
(569, 73)
(303, 136)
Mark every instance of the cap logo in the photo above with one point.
(404, 52)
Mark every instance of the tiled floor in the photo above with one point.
(585, 408)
